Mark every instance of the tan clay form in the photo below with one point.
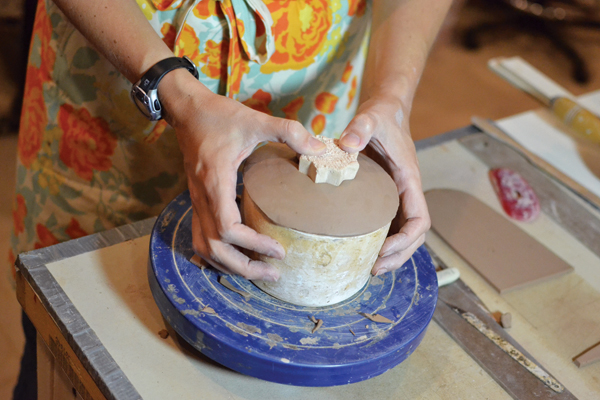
(291, 199)
(507, 257)
(317, 270)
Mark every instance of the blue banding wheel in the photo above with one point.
(267, 338)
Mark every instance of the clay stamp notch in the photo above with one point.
(333, 167)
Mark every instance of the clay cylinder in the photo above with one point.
(318, 270)
(332, 235)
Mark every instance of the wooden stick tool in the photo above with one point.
(563, 104)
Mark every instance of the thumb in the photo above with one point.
(357, 134)
(295, 136)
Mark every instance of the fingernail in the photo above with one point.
(350, 140)
(278, 252)
(271, 278)
(279, 255)
(381, 271)
(316, 144)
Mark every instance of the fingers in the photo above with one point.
(217, 230)
(228, 259)
(220, 194)
(412, 229)
(214, 142)
(357, 134)
(397, 259)
(294, 135)
(378, 123)
(398, 248)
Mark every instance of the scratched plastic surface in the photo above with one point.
(270, 339)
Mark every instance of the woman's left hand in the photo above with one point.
(382, 123)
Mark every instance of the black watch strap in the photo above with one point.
(145, 92)
(152, 77)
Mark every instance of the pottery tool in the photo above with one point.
(517, 198)
(255, 334)
(447, 276)
(492, 129)
(563, 104)
(464, 317)
(503, 254)
(588, 357)
(548, 183)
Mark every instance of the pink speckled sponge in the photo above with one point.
(333, 167)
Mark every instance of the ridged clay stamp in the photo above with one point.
(333, 167)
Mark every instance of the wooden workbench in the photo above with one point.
(98, 324)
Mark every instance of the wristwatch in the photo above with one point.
(145, 92)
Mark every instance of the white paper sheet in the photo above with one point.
(542, 134)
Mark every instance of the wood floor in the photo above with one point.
(455, 86)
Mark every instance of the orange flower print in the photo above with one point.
(300, 28)
(351, 92)
(259, 102)
(19, 213)
(188, 43)
(215, 60)
(42, 27)
(239, 68)
(238, 64)
(357, 7)
(318, 124)
(292, 108)
(169, 34)
(46, 238)
(33, 118)
(347, 72)
(157, 131)
(325, 102)
(206, 9)
(86, 144)
(74, 230)
(163, 5)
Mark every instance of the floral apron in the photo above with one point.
(87, 158)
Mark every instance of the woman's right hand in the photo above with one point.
(216, 134)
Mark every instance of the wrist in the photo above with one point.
(398, 83)
(151, 58)
(398, 94)
(144, 92)
(180, 92)
(387, 102)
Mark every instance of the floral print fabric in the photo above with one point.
(87, 158)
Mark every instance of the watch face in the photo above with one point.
(141, 100)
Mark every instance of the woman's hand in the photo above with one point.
(215, 135)
(382, 123)
(402, 32)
